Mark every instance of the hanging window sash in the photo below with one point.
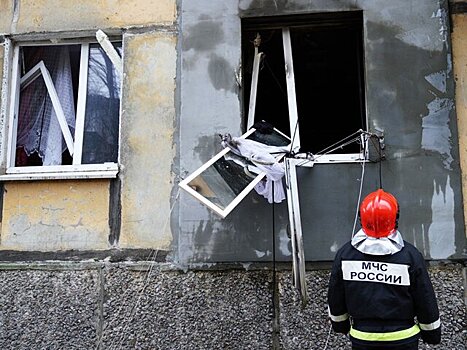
(295, 225)
(223, 181)
(295, 222)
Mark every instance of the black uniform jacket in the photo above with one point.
(383, 293)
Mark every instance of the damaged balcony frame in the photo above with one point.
(76, 170)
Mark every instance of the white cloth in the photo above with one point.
(260, 155)
(378, 246)
(272, 188)
(258, 152)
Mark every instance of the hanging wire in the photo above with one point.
(151, 259)
(281, 88)
(337, 146)
(293, 137)
(380, 165)
(339, 143)
(362, 177)
(374, 138)
(329, 336)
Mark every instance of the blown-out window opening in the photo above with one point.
(311, 71)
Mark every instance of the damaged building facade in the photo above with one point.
(101, 248)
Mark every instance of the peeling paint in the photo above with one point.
(284, 243)
(441, 233)
(437, 80)
(51, 216)
(442, 15)
(436, 135)
(335, 247)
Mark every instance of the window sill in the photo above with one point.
(329, 159)
(88, 171)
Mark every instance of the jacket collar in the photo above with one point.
(378, 246)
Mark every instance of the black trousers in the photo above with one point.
(411, 346)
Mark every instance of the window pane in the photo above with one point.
(101, 124)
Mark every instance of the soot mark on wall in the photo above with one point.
(221, 73)
(203, 36)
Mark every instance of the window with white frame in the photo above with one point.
(64, 111)
(310, 83)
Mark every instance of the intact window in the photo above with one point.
(325, 72)
(64, 110)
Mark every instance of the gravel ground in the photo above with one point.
(122, 306)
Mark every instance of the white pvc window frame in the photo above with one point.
(76, 170)
(295, 226)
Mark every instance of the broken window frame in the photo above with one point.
(223, 212)
(76, 170)
(285, 26)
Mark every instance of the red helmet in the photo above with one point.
(379, 213)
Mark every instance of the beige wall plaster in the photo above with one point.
(6, 15)
(147, 150)
(1, 89)
(459, 49)
(64, 15)
(1, 68)
(55, 215)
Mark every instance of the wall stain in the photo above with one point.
(207, 147)
(203, 36)
(221, 73)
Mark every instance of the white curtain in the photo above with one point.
(38, 127)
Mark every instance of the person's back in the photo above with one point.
(379, 284)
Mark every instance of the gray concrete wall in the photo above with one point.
(409, 95)
(103, 305)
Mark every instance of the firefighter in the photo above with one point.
(379, 290)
